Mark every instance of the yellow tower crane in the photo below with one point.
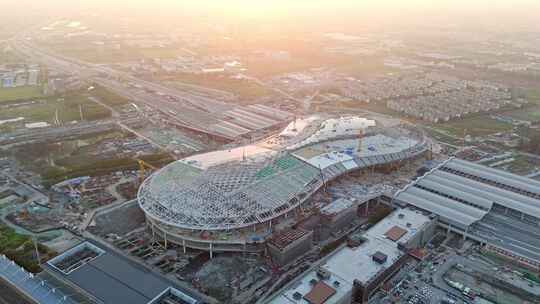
(142, 169)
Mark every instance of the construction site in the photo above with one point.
(72, 202)
(234, 198)
(229, 258)
(499, 284)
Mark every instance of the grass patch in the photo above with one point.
(443, 137)
(9, 94)
(61, 158)
(473, 126)
(533, 96)
(378, 107)
(107, 97)
(21, 249)
(503, 261)
(521, 165)
(530, 113)
(111, 54)
(71, 169)
(68, 109)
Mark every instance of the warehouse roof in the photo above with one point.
(109, 277)
(498, 176)
(462, 192)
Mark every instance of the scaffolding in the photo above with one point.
(254, 190)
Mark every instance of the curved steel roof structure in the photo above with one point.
(244, 186)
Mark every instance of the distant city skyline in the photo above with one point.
(362, 13)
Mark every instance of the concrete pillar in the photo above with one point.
(366, 209)
(165, 238)
(421, 239)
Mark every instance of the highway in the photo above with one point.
(95, 72)
(188, 108)
(65, 132)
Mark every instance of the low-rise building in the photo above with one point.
(103, 276)
(287, 245)
(353, 273)
(338, 214)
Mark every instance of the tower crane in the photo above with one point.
(142, 169)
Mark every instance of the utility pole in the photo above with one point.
(38, 257)
(81, 112)
(464, 135)
(322, 177)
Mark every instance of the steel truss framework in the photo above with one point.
(245, 193)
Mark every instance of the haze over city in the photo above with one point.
(270, 152)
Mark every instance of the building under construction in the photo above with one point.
(285, 246)
(231, 200)
(353, 273)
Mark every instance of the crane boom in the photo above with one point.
(142, 169)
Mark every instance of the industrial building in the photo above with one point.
(500, 210)
(337, 215)
(19, 75)
(104, 277)
(285, 246)
(230, 200)
(94, 274)
(352, 274)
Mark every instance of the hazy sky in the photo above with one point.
(291, 11)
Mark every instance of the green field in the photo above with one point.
(107, 97)
(109, 54)
(442, 136)
(69, 108)
(473, 126)
(46, 158)
(21, 249)
(9, 94)
(533, 96)
(352, 105)
(530, 113)
(79, 166)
